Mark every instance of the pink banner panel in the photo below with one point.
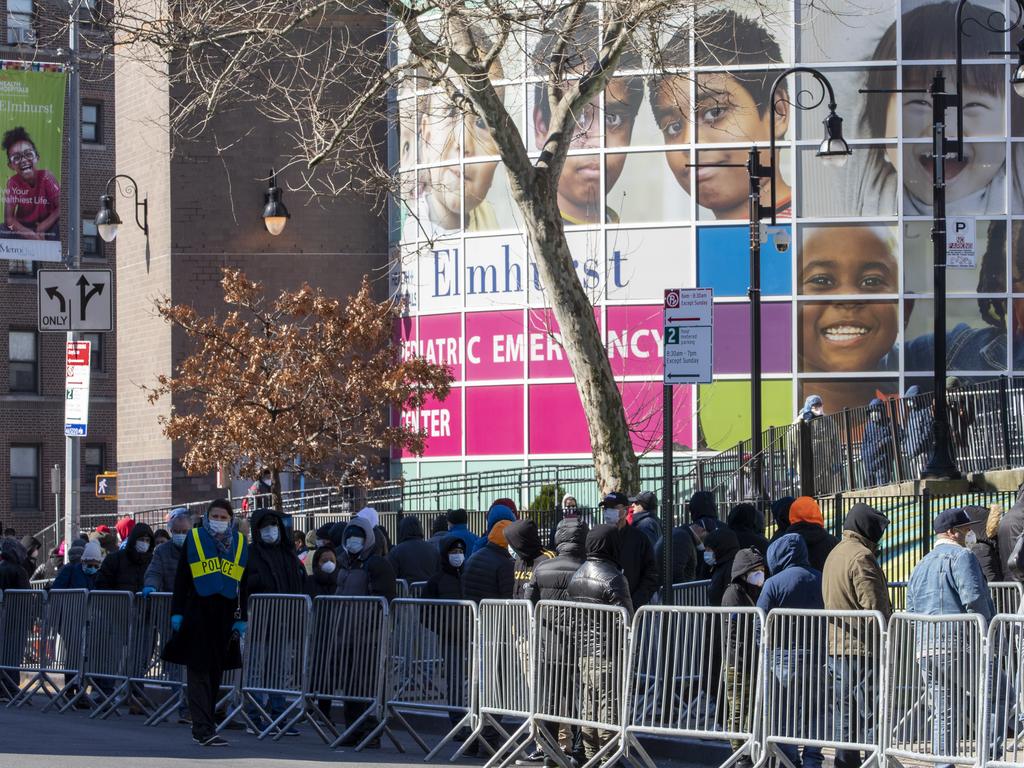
(495, 345)
(634, 340)
(405, 336)
(440, 341)
(642, 401)
(494, 420)
(442, 424)
(547, 358)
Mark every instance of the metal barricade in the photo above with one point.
(505, 631)
(898, 595)
(822, 681)
(346, 663)
(107, 637)
(416, 589)
(691, 593)
(274, 663)
(61, 646)
(147, 669)
(693, 672)
(23, 616)
(933, 698)
(578, 678)
(1007, 596)
(1004, 687)
(432, 664)
(401, 588)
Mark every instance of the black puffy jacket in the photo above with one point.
(599, 580)
(725, 545)
(743, 522)
(740, 594)
(551, 578)
(490, 573)
(413, 558)
(274, 569)
(125, 569)
(524, 538)
(446, 584)
(636, 554)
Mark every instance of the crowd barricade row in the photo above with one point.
(925, 688)
(691, 593)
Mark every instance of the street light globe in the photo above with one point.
(275, 215)
(275, 224)
(107, 220)
(1017, 81)
(834, 153)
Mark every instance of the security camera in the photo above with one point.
(782, 240)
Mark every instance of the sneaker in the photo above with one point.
(215, 741)
(534, 758)
(258, 725)
(291, 731)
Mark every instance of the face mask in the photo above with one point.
(457, 559)
(353, 545)
(179, 538)
(970, 539)
(90, 569)
(611, 516)
(270, 534)
(142, 547)
(709, 557)
(328, 566)
(219, 526)
(817, 410)
(755, 578)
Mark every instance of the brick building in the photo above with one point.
(205, 208)
(32, 363)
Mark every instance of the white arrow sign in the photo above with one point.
(75, 300)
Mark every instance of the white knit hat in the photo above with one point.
(93, 552)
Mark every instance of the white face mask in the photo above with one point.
(817, 410)
(456, 559)
(328, 566)
(970, 539)
(270, 534)
(755, 578)
(219, 526)
(353, 545)
(142, 547)
(179, 538)
(611, 516)
(709, 557)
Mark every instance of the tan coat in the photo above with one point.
(853, 581)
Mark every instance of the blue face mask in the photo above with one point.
(91, 570)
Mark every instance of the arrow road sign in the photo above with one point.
(74, 300)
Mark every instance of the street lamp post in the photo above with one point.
(833, 151)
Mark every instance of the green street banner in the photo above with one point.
(32, 130)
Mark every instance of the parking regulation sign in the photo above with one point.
(688, 350)
(76, 389)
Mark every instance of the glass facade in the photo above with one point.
(650, 201)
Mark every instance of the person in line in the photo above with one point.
(947, 580)
(720, 548)
(599, 581)
(853, 581)
(124, 528)
(489, 573)
(260, 491)
(81, 574)
(780, 514)
(524, 539)
(12, 569)
(986, 546)
(805, 519)
(458, 526)
(207, 614)
(917, 436)
(446, 584)
(125, 569)
(794, 584)
(299, 542)
(876, 449)
(636, 554)
(643, 509)
(381, 538)
(413, 558)
(497, 513)
(160, 536)
(106, 537)
(743, 522)
(32, 547)
(439, 529)
(311, 547)
(814, 408)
(569, 510)
(1011, 526)
(684, 554)
(47, 570)
(748, 575)
(324, 579)
(159, 576)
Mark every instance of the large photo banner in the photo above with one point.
(32, 127)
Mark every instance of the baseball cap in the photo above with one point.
(614, 500)
(645, 499)
(951, 518)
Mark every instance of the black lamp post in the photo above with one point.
(833, 151)
(107, 220)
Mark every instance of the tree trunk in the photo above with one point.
(277, 499)
(615, 463)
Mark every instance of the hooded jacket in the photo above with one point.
(1010, 529)
(853, 580)
(524, 538)
(446, 584)
(274, 569)
(551, 578)
(438, 530)
(741, 594)
(642, 572)
(876, 446)
(490, 573)
(743, 522)
(805, 520)
(124, 528)
(780, 513)
(32, 546)
(725, 545)
(647, 522)
(164, 564)
(320, 583)
(73, 576)
(917, 436)
(684, 554)
(12, 572)
(702, 504)
(496, 514)
(365, 574)
(125, 569)
(805, 413)
(599, 581)
(413, 558)
(793, 583)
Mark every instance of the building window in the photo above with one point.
(93, 461)
(19, 23)
(23, 354)
(24, 477)
(92, 246)
(95, 352)
(92, 124)
(24, 269)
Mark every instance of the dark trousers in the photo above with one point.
(203, 691)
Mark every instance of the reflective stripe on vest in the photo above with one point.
(207, 565)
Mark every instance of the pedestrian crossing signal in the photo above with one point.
(106, 486)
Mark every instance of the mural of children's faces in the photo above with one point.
(855, 335)
(848, 260)
(918, 260)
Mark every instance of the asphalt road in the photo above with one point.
(31, 739)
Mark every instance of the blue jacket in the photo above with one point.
(498, 512)
(470, 539)
(949, 580)
(72, 576)
(876, 447)
(917, 438)
(793, 584)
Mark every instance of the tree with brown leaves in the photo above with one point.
(302, 377)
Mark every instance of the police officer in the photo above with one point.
(206, 614)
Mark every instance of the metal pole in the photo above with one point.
(666, 494)
(754, 293)
(941, 463)
(73, 225)
(55, 487)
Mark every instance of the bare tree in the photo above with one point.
(329, 71)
